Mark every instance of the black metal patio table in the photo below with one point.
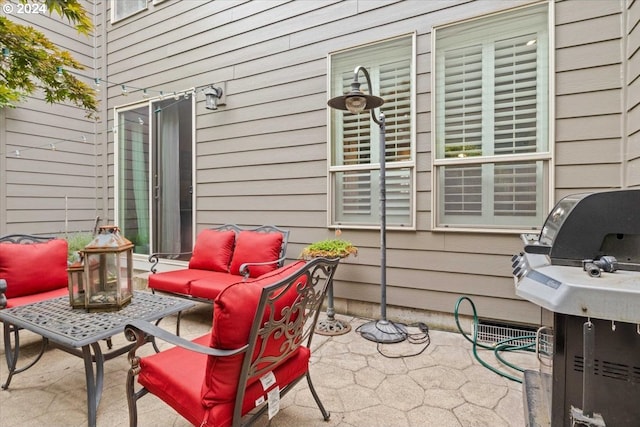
(79, 333)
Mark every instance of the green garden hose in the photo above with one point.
(501, 346)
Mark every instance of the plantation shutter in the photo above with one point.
(492, 107)
(357, 138)
(515, 124)
(463, 129)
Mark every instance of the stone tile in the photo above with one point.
(443, 386)
(355, 398)
(510, 408)
(443, 399)
(369, 378)
(428, 416)
(452, 356)
(400, 392)
(351, 362)
(302, 397)
(388, 366)
(480, 374)
(483, 394)
(471, 415)
(377, 416)
(439, 377)
(327, 375)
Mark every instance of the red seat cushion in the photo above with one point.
(213, 250)
(209, 287)
(233, 314)
(177, 281)
(31, 268)
(254, 246)
(41, 296)
(202, 388)
(175, 376)
(294, 367)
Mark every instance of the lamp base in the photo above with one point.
(332, 327)
(383, 331)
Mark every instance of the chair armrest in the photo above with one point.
(3, 289)
(142, 332)
(154, 259)
(244, 268)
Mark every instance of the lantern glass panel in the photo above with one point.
(108, 271)
(76, 285)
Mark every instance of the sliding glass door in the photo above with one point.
(154, 165)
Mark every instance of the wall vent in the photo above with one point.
(491, 333)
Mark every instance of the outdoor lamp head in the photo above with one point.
(355, 101)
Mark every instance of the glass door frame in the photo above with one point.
(141, 260)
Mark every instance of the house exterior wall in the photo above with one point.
(631, 170)
(48, 159)
(262, 158)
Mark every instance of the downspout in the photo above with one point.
(101, 133)
(3, 171)
(624, 136)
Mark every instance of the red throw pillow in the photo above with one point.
(30, 268)
(233, 314)
(213, 250)
(253, 246)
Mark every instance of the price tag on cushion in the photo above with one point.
(268, 380)
(273, 400)
(259, 401)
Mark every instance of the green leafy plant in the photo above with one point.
(76, 242)
(31, 62)
(330, 248)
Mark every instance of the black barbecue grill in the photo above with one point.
(584, 267)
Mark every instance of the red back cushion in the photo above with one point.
(233, 314)
(30, 268)
(253, 246)
(213, 250)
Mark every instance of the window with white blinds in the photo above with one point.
(354, 171)
(491, 145)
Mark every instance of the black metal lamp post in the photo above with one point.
(380, 331)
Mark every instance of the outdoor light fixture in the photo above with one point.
(59, 77)
(212, 95)
(5, 61)
(380, 331)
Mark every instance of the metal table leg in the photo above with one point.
(12, 352)
(95, 379)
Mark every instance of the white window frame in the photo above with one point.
(391, 167)
(543, 158)
(115, 18)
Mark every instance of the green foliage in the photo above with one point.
(77, 242)
(34, 61)
(330, 248)
(73, 11)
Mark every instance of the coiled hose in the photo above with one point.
(504, 345)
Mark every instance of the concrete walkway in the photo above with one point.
(444, 386)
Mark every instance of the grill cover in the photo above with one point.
(589, 226)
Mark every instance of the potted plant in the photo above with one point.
(330, 248)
